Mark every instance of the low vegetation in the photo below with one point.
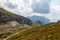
(46, 32)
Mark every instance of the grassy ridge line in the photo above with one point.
(7, 12)
(10, 13)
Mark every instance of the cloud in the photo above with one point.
(55, 10)
(55, 7)
(56, 2)
(18, 7)
(11, 5)
(42, 6)
(54, 14)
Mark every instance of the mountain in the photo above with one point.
(42, 19)
(46, 32)
(11, 23)
(9, 16)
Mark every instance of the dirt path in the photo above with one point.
(13, 35)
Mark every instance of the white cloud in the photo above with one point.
(55, 7)
(55, 10)
(38, 0)
(21, 9)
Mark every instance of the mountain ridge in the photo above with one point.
(6, 16)
(42, 19)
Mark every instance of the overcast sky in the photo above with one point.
(47, 8)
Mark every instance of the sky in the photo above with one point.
(46, 8)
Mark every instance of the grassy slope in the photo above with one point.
(9, 13)
(47, 32)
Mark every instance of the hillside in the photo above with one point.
(9, 16)
(47, 32)
(11, 27)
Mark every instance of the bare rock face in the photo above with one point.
(13, 23)
(8, 24)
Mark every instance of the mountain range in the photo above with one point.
(42, 19)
